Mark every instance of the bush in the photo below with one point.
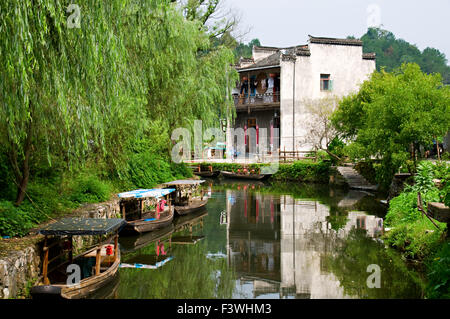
(413, 233)
(367, 169)
(90, 189)
(304, 171)
(146, 170)
(13, 220)
(439, 273)
(336, 147)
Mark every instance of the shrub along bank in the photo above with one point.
(414, 234)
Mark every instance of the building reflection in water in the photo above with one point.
(276, 244)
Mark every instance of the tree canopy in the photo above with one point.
(391, 111)
(392, 52)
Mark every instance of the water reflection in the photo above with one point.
(277, 241)
(278, 244)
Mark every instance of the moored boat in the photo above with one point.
(188, 198)
(97, 266)
(208, 173)
(233, 175)
(144, 210)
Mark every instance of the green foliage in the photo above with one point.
(147, 170)
(13, 221)
(438, 267)
(337, 148)
(122, 77)
(304, 171)
(445, 156)
(413, 233)
(424, 178)
(368, 170)
(391, 112)
(90, 189)
(246, 50)
(392, 52)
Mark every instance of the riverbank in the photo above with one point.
(298, 171)
(417, 237)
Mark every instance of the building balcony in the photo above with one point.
(266, 101)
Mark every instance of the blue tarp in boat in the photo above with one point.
(145, 193)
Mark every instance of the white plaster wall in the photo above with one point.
(348, 71)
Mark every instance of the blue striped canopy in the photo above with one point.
(144, 193)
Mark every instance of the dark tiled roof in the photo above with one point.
(261, 48)
(335, 41)
(246, 59)
(303, 51)
(369, 56)
(271, 60)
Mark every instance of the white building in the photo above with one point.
(284, 80)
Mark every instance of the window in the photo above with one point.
(325, 82)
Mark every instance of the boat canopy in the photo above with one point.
(83, 226)
(185, 182)
(146, 193)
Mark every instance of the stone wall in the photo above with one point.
(20, 268)
(17, 269)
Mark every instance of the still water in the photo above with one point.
(257, 240)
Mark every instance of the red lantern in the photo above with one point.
(109, 250)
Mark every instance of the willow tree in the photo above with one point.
(182, 78)
(60, 79)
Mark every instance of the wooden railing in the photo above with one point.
(257, 99)
(290, 156)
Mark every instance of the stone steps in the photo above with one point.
(354, 179)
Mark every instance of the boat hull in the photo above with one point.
(258, 177)
(141, 226)
(194, 206)
(207, 174)
(86, 288)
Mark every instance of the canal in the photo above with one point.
(258, 240)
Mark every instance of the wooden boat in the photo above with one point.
(207, 174)
(98, 266)
(185, 202)
(108, 291)
(232, 175)
(140, 219)
(195, 204)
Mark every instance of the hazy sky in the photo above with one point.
(288, 22)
